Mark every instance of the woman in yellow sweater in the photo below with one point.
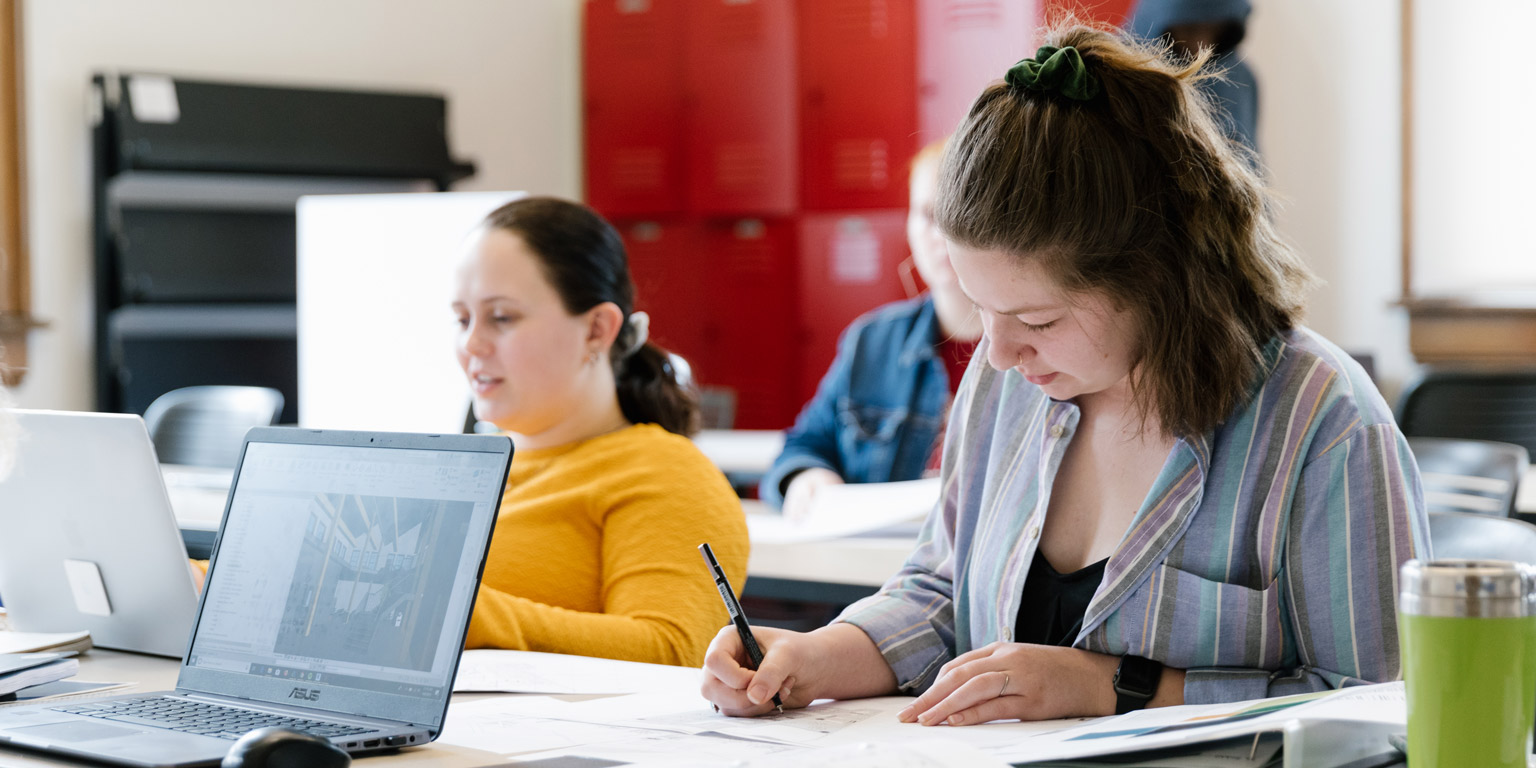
(607, 500)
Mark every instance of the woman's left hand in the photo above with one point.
(1005, 681)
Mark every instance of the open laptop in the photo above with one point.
(336, 602)
(87, 536)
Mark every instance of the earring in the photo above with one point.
(592, 357)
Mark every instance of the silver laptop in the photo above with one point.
(336, 602)
(87, 536)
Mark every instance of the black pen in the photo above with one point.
(732, 606)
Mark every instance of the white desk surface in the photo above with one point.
(741, 450)
(865, 561)
(153, 673)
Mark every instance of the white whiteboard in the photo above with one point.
(376, 335)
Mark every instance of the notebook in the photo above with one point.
(88, 540)
(337, 599)
(19, 671)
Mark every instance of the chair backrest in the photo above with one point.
(1497, 406)
(205, 426)
(1470, 475)
(1481, 537)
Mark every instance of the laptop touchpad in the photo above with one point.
(82, 731)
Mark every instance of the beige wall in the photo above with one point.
(1329, 131)
(509, 68)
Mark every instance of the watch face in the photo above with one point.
(1138, 677)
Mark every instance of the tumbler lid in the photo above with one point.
(1450, 587)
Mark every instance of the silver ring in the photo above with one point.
(1004, 689)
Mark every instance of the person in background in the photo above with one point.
(1218, 25)
(594, 551)
(1158, 487)
(878, 414)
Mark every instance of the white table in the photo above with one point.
(837, 571)
(741, 450)
(744, 455)
(831, 571)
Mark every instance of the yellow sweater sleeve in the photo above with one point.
(656, 598)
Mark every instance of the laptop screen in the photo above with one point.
(344, 576)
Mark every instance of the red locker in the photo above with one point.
(1113, 12)
(750, 282)
(668, 262)
(632, 76)
(850, 263)
(858, 104)
(742, 118)
(962, 46)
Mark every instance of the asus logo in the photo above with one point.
(306, 694)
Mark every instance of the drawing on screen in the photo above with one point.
(372, 583)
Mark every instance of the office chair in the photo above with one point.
(205, 426)
(1481, 537)
(1485, 405)
(1479, 476)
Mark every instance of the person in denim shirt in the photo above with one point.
(879, 411)
(1220, 25)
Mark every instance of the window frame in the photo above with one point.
(1458, 330)
(16, 319)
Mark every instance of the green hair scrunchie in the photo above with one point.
(1055, 69)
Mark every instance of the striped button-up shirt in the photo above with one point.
(1263, 561)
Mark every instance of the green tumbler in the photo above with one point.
(1468, 632)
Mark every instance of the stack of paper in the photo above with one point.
(24, 670)
(854, 509)
(34, 642)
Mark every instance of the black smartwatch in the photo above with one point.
(1136, 683)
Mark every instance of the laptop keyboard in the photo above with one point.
(202, 718)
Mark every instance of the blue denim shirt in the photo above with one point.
(878, 410)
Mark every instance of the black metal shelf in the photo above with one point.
(194, 218)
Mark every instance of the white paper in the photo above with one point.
(60, 689)
(658, 749)
(1368, 708)
(153, 98)
(854, 508)
(678, 728)
(825, 722)
(819, 722)
(531, 672)
(489, 725)
(28, 642)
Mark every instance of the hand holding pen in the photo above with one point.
(733, 606)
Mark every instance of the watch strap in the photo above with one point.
(1135, 683)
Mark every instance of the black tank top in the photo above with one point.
(1053, 604)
